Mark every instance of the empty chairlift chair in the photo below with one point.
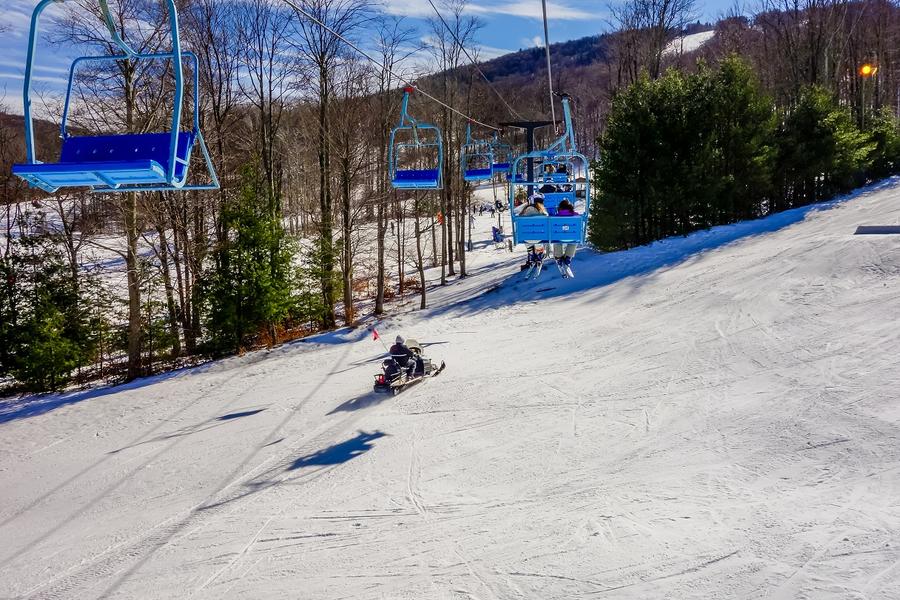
(416, 158)
(477, 158)
(502, 152)
(123, 162)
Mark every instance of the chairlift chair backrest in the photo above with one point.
(476, 158)
(502, 156)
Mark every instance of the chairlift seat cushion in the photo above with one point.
(111, 160)
(501, 166)
(416, 179)
(477, 174)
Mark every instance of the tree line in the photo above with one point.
(804, 112)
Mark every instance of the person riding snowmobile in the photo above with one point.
(403, 356)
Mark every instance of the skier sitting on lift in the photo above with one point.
(563, 253)
(534, 207)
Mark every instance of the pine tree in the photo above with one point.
(820, 150)
(744, 128)
(248, 290)
(48, 330)
(885, 158)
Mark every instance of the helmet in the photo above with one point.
(536, 197)
(399, 339)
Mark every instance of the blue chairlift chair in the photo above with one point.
(476, 158)
(553, 228)
(125, 162)
(407, 178)
(502, 155)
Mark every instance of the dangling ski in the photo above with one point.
(535, 261)
(534, 270)
(564, 269)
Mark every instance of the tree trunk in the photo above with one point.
(326, 241)
(420, 264)
(434, 251)
(379, 267)
(134, 291)
(346, 254)
(170, 292)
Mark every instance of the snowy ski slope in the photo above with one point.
(712, 417)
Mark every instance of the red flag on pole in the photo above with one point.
(374, 334)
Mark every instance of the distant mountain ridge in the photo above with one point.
(581, 52)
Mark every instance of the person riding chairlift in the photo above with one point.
(564, 252)
(534, 207)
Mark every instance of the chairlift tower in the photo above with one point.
(529, 127)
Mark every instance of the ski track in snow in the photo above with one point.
(715, 416)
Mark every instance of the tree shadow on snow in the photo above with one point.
(191, 429)
(324, 460)
(595, 270)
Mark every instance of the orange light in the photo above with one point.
(868, 70)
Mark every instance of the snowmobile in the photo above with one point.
(395, 378)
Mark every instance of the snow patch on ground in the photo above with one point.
(688, 43)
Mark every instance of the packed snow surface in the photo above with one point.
(716, 416)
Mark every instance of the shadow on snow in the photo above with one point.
(360, 402)
(339, 453)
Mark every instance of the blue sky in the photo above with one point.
(508, 26)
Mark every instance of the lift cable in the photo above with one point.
(312, 18)
(474, 62)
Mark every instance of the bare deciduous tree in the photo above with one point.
(320, 48)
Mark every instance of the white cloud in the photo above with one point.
(532, 10)
(529, 9)
(20, 65)
(21, 77)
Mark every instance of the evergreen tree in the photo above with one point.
(744, 128)
(886, 155)
(687, 152)
(47, 327)
(820, 150)
(623, 174)
(248, 291)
